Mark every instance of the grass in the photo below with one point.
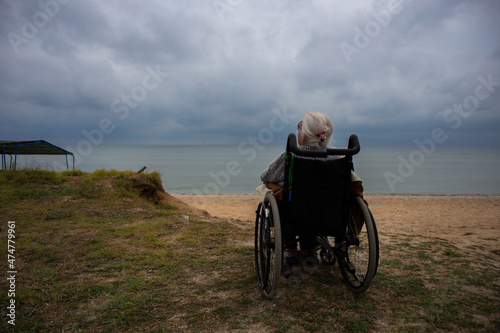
(94, 253)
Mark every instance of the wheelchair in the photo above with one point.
(317, 203)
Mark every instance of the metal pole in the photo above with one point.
(4, 161)
(15, 160)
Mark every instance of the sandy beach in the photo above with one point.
(468, 221)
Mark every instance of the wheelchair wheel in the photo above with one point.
(327, 257)
(268, 248)
(358, 257)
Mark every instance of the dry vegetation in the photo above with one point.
(112, 252)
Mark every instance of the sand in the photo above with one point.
(468, 221)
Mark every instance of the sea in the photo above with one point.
(226, 169)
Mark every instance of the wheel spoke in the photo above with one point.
(268, 249)
(360, 255)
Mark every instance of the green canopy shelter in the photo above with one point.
(38, 147)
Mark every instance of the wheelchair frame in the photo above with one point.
(356, 251)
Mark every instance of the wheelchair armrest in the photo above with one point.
(353, 148)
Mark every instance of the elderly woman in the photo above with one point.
(314, 132)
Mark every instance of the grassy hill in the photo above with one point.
(110, 251)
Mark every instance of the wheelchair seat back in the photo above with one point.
(316, 196)
(317, 189)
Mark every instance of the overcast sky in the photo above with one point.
(222, 71)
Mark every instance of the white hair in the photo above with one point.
(318, 129)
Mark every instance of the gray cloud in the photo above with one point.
(64, 64)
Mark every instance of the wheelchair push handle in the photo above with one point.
(353, 148)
